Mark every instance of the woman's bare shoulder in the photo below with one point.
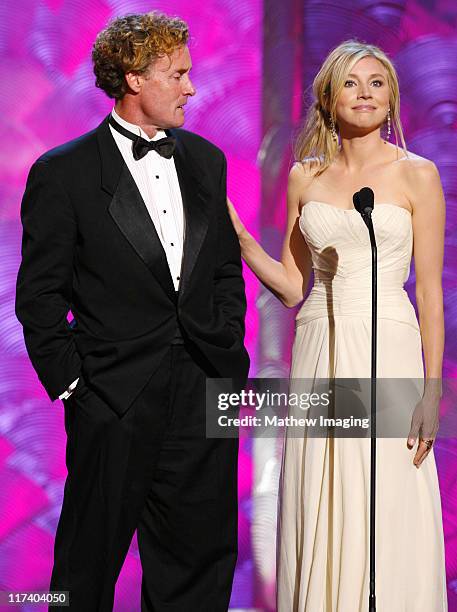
(416, 166)
(307, 167)
(303, 172)
(301, 176)
(421, 179)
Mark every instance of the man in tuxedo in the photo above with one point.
(127, 227)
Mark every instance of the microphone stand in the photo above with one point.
(374, 326)
(366, 211)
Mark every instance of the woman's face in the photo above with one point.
(364, 100)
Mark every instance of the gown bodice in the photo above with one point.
(339, 244)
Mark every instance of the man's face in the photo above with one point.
(165, 89)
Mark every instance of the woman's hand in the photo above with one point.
(237, 223)
(287, 278)
(425, 421)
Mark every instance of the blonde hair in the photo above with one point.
(315, 142)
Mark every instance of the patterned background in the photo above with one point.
(252, 62)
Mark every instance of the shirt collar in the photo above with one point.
(136, 129)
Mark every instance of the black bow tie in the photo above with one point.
(140, 146)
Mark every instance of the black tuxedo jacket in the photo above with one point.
(90, 246)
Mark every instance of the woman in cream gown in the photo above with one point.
(323, 516)
(323, 554)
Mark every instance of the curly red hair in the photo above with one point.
(130, 44)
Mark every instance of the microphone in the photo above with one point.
(364, 202)
(356, 201)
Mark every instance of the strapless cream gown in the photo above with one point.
(323, 514)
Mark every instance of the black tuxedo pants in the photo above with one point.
(155, 471)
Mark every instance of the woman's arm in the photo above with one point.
(289, 277)
(428, 229)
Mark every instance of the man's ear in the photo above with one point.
(134, 81)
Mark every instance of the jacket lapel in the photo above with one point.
(195, 199)
(128, 210)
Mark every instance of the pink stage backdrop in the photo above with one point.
(421, 38)
(49, 97)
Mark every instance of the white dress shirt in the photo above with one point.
(158, 184)
(157, 181)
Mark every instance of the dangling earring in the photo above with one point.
(388, 124)
(333, 129)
